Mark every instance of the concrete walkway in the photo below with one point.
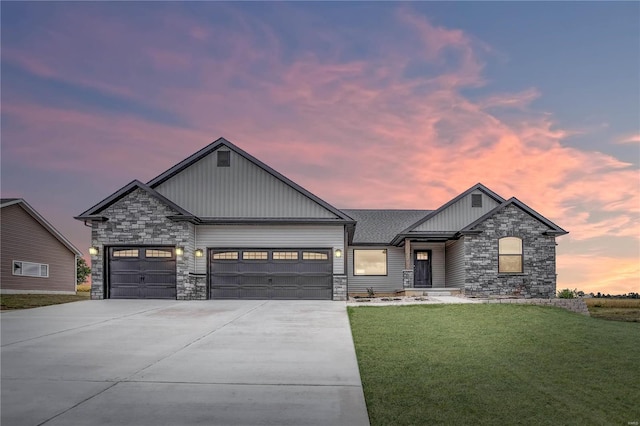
(153, 362)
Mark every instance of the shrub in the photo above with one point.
(83, 287)
(567, 293)
(370, 292)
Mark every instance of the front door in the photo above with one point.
(422, 269)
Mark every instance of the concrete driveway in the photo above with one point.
(154, 362)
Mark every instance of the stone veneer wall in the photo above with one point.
(481, 257)
(339, 287)
(574, 305)
(141, 219)
(407, 278)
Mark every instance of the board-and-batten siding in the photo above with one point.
(437, 261)
(272, 236)
(242, 190)
(23, 238)
(380, 284)
(458, 215)
(455, 263)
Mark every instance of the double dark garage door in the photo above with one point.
(150, 272)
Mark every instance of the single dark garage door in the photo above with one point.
(270, 273)
(142, 273)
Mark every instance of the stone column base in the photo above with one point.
(339, 287)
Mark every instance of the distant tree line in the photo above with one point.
(599, 295)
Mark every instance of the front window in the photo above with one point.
(369, 262)
(510, 255)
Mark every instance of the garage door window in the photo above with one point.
(158, 253)
(285, 255)
(125, 253)
(226, 255)
(255, 255)
(312, 255)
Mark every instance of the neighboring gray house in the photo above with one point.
(223, 225)
(34, 256)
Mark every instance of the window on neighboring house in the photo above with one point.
(476, 200)
(369, 262)
(30, 269)
(510, 255)
(224, 158)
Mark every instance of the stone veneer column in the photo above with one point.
(339, 287)
(407, 278)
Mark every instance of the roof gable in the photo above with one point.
(457, 213)
(93, 213)
(246, 189)
(553, 228)
(5, 202)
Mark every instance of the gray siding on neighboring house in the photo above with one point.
(271, 236)
(437, 261)
(380, 284)
(455, 263)
(458, 215)
(242, 190)
(23, 238)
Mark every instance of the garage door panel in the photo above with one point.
(284, 274)
(142, 272)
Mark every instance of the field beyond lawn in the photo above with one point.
(614, 309)
(495, 364)
(26, 301)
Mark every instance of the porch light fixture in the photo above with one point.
(338, 253)
(199, 253)
(179, 251)
(93, 251)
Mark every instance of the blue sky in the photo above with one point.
(369, 104)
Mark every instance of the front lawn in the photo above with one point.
(25, 301)
(495, 364)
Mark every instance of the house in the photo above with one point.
(223, 225)
(34, 256)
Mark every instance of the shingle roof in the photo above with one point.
(380, 226)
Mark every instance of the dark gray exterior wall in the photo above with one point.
(481, 257)
(141, 219)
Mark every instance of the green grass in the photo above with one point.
(495, 364)
(26, 301)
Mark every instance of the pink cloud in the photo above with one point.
(630, 139)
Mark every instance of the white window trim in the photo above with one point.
(22, 268)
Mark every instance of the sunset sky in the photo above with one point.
(367, 105)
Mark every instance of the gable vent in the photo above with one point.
(476, 200)
(224, 158)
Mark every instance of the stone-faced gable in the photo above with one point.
(481, 257)
(141, 219)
